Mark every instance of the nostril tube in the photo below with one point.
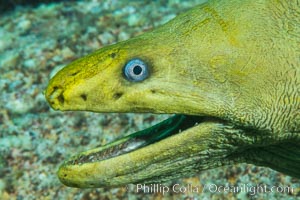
(56, 97)
(61, 98)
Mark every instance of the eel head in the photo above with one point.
(208, 68)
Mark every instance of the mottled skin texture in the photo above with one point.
(234, 61)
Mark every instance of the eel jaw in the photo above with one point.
(179, 146)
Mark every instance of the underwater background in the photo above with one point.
(36, 40)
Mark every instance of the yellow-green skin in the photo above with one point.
(237, 61)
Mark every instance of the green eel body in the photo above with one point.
(228, 69)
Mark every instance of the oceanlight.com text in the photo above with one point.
(211, 188)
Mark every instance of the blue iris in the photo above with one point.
(136, 70)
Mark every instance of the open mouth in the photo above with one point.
(165, 151)
(171, 126)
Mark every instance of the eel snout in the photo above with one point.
(55, 97)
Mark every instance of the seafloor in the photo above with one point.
(37, 41)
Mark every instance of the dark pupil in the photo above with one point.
(137, 70)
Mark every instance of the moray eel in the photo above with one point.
(229, 72)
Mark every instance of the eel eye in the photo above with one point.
(136, 70)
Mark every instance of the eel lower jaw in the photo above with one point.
(171, 126)
(71, 173)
